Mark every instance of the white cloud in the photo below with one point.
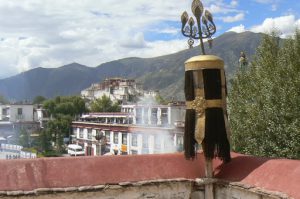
(264, 1)
(273, 3)
(57, 32)
(234, 3)
(286, 25)
(222, 8)
(238, 29)
(51, 33)
(274, 7)
(159, 48)
(168, 30)
(235, 18)
(135, 41)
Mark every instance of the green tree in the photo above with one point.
(63, 110)
(264, 101)
(104, 104)
(71, 105)
(160, 100)
(3, 100)
(44, 141)
(57, 129)
(38, 100)
(24, 138)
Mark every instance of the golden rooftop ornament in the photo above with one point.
(206, 121)
(204, 29)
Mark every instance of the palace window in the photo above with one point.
(89, 134)
(20, 111)
(169, 141)
(124, 138)
(134, 152)
(107, 136)
(164, 116)
(134, 138)
(145, 141)
(179, 143)
(157, 142)
(116, 137)
(80, 133)
(74, 131)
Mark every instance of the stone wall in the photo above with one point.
(172, 189)
(175, 189)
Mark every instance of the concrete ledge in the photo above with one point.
(260, 192)
(43, 191)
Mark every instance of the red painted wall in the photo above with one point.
(85, 171)
(280, 175)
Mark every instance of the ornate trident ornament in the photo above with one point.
(204, 29)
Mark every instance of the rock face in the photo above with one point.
(164, 73)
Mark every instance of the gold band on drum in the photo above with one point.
(204, 62)
(216, 103)
(199, 105)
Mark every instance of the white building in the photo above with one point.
(138, 129)
(157, 115)
(14, 117)
(41, 116)
(117, 89)
(17, 113)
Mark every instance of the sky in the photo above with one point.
(52, 33)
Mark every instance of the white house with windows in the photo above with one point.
(14, 117)
(138, 129)
(17, 113)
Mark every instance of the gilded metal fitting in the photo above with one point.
(203, 28)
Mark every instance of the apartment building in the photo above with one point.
(137, 129)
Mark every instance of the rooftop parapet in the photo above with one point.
(269, 177)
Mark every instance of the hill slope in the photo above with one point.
(164, 73)
(48, 82)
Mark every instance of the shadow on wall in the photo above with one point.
(239, 168)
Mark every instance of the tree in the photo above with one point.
(57, 129)
(24, 138)
(264, 101)
(160, 100)
(38, 100)
(62, 110)
(3, 100)
(44, 141)
(71, 105)
(104, 104)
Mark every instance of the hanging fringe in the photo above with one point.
(189, 86)
(190, 117)
(215, 143)
(189, 134)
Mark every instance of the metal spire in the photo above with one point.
(204, 27)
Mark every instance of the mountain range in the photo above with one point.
(164, 73)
